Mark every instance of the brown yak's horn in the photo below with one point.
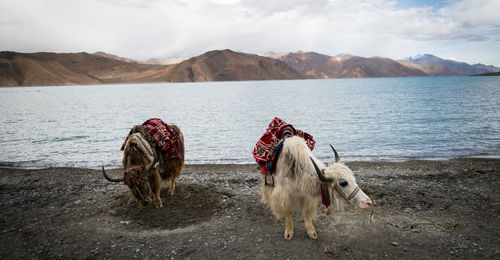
(109, 178)
(321, 176)
(337, 158)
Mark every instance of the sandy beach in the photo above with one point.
(216, 213)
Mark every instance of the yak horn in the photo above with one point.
(151, 165)
(321, 176)
(154, 163)
(109, 178)
(337, 158)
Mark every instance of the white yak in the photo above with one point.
(297, 185)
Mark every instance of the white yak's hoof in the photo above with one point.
(171, 193)
(159, 206)
(288, 235)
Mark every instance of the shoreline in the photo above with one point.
(423, 159)
(216, 213)
(215, 81)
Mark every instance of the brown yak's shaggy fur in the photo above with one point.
(143, 176)
(171, 169)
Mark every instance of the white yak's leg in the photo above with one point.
(308, 223)
(288, 226)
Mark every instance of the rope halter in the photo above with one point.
(347, 198)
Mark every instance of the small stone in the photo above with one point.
(452, 252)
(395, 243)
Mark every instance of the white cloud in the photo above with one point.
(175, 28)
(474, 13)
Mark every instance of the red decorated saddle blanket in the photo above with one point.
(264, 151)
(166, 138)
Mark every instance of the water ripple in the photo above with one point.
(389, 119)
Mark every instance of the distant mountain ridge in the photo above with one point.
(44, 68)
(115, 57)
(152, 61)
(460, 67)
(431, 70)
(317, 65)
(156, 61)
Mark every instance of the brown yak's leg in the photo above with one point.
(288, 226)
(171, 189)
(309, 225)
(156, 186)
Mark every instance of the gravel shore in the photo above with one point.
(216, 213)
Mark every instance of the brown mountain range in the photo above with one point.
(430, 69)
(23, 69)
(35, 69)
(229, 65)
(318, 65)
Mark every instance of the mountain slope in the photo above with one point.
(225, 65)
(115, 57)
(376, 67)
(323, 66)
(430, 69)
(28, 69)
(222, 65)
(460, 67)
(20, 69)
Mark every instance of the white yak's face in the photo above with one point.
(345, 185)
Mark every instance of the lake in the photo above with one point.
(377, 119)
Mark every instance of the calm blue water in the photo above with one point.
(365, 119)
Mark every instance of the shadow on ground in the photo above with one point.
(191, 204)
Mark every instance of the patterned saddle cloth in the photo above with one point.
(264, 151)
(165, 137)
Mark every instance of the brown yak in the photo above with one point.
(152, 153)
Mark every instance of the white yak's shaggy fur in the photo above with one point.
(297, 187)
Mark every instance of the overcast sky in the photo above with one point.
(464, 30)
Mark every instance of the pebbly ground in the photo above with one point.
(216, 213)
